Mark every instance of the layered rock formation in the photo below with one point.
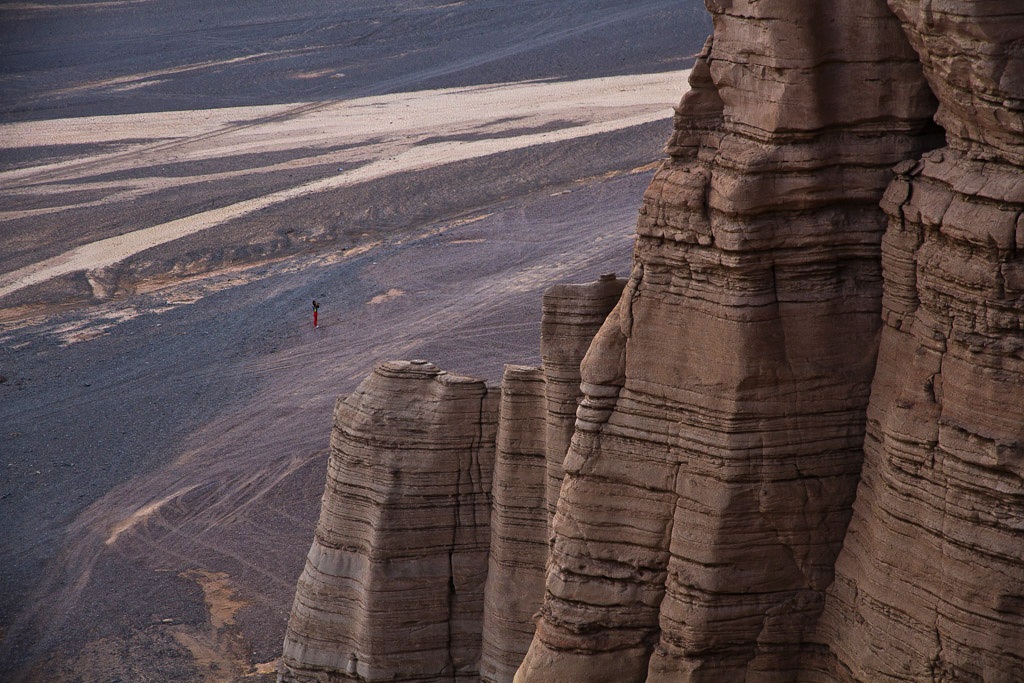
(829, 273)
(519, 524)
(537, 420)
(930, 582)
(393, 587)
(735, 370)
(393, 584)
(570, 317)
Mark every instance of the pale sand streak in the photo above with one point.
(627, 101)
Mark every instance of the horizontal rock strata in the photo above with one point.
(393, 584)
(538, 414)
(393, 588)
(930, 582)
(709, 483)
(519, 525)
(824, 277)
(571, 316)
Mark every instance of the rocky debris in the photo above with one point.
(930, 581)
(393, 584)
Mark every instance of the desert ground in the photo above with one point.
(178, 183)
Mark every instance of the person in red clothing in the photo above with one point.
(316, 307)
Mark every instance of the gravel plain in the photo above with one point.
(164, 415)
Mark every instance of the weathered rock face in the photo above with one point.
(394, 580)
(571, 316)
(537, 420)
(519, 524)
(704, 504)
(393, 588)
(930, 582)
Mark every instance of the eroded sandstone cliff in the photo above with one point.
(701, 514)
(393, 584)
(570, 317)
(930, 581)
(519, 524)
(828, 274)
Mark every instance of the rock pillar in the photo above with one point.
(709, 482)
(571, 316)
(519, 525)
(393, 584)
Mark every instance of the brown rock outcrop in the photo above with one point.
(930, 582)
(571, 314)
(537, 417)
(393, 584)
(702, 511)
